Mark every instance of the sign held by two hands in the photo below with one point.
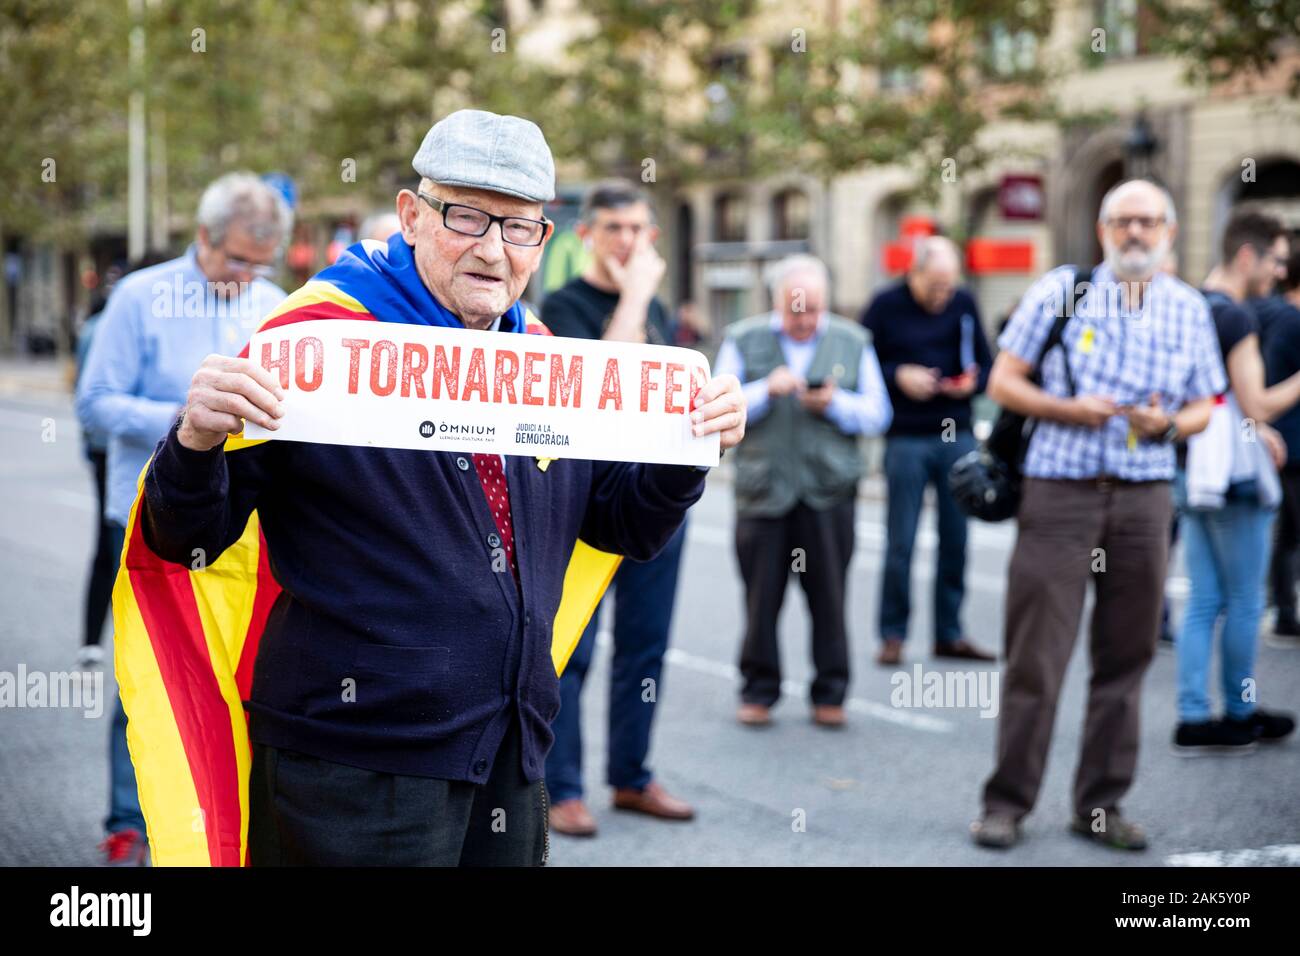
(389, 385)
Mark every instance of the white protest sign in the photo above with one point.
(390, 385)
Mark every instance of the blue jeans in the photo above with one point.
(123, 798)
(912, 462)
(1227, 554)
(643, 609)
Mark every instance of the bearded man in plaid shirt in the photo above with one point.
(1144, 368)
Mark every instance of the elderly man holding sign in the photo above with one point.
(400, 702)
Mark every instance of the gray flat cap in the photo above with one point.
(482, 150)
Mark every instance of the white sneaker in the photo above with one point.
(90, 655)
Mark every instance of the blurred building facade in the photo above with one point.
(1212, 148)
(1033, 208)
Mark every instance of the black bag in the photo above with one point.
(986, 482)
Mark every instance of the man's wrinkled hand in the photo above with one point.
(223, 394)
(720, 407)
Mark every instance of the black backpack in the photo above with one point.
(986, 482)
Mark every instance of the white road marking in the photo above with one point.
(872, 534)
(34, 421)
(1283, 854)
(797, 689)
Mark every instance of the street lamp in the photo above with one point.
(1139, 146)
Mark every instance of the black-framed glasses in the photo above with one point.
(469, 221)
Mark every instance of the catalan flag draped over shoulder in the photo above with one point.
(186, 637)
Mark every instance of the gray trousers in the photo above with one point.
(1068, 532)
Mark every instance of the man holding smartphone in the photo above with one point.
(935, 358)
(813, 386)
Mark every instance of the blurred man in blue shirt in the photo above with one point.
(158, 326)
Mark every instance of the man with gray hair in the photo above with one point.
(158, 324)
(928, 336)
(429, 579)
(1133, 369)
(812, 385)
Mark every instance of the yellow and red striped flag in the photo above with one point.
(186, 639)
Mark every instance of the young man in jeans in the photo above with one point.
(615, 299)
(1229, 493)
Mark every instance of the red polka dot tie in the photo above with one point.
(493, 478)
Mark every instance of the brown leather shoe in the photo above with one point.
(996, 831)
(963, 649)
(829, 715)
(571, 817)
(1114, 831)
(655, 801)
(891, 652)
(754, 715)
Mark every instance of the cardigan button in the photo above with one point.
(494, 540)
(462, 463)
(480, 766)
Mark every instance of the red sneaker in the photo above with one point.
(125, 848)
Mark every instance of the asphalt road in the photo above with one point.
(897, 786)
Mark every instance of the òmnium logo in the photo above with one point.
(481, 433)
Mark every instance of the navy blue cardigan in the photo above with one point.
(385, 557)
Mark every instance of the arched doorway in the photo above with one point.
(1110, 176)
(1093, 163)
(1271, 185)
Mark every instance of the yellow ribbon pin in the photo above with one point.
(1086, 340)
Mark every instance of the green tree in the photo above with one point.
(1224, 39)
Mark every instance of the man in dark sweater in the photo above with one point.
(932, 350)
(615, 299)
(390, 560)
(1279, 335)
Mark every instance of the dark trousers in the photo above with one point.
(305, 811)
(816, 546)
(103, 566)
(911, 463)
(1287, 542)
(644, 593)
(1068, 532)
